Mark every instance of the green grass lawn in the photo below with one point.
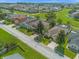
(25, 31)
(64, 51)
(41, 15)
(8, 22)
(45, 41)
(64, 16)
(29, 52)
(70, 54)
(66, 42)
(67, 52)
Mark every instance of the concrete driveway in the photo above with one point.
(52, 45)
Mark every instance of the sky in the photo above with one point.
(40, 1)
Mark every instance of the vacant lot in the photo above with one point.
(28, 53)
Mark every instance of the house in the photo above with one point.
(55, 8)
(32, 23)
(53, 32)
(16, 18)
(19, 18)
(74, 41)
(26, 24)
(35, 23)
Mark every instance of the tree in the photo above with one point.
(1, 11)
(59, 21)
(37, 17)
(61, 37)
(7, 45)
(69, 27)
(51, 17)
(52, 23)
(62, 6)
(2, 16)
(12, 10)
(40, 28)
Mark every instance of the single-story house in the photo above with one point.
(33, 23)
(75, 14)
(17, 18)
(53, 32)
(26, 24)
(74, 41)
(55, 8)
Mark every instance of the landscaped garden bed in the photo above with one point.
(64, 51)
(70, 54)
(8, 22)
(45, 41)
(25, 31)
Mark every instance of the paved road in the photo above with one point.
(26, 39)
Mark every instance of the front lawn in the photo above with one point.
(70, 54)
(64, 51)
(8, 22)
(28, 53)
(25, 31)
(45, 41)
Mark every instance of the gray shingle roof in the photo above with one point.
(74, 38)
(56, 29)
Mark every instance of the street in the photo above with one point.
(26, 39)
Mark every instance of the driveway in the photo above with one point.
(52, 45)
(77, 57)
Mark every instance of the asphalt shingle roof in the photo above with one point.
(74, 38)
